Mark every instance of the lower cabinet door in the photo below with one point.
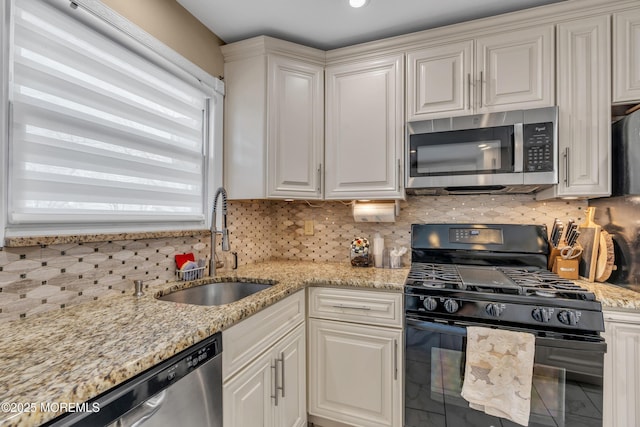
(271, 390)
(621, 369)
(291, 382)
(246, 399)
(355, 373)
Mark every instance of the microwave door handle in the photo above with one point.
(518, 147)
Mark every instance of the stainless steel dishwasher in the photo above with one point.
(185, 390)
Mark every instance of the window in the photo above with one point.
(104, 132)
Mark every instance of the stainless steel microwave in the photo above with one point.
(507, 152)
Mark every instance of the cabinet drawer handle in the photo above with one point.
(274, 368)
(355, 307)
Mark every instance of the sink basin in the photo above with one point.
(218, 293)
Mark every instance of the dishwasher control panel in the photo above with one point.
(196, 356)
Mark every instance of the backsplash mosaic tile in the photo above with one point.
(334, 226)
(35, 279)
(50, 276)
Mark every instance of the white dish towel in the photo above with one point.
(499, 372)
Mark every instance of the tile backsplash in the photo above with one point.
(36, 279)
(281, 224)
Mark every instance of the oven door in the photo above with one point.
(567, 380)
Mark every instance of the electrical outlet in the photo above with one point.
(308, 227)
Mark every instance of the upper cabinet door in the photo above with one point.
(584, 106)
(295, 128)
(364, 129)
(498, 72)
(439, 81)
(626, 56)
(516, 70)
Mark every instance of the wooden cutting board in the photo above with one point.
(589, 239)
(606, 257)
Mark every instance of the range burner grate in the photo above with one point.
(524, 281)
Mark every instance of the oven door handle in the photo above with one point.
(440, 328)
(460, 329)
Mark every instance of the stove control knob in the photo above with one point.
(568, 317)
(494, 310)
(451, 306)
(541, 314)
(430, 303)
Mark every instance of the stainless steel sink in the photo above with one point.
(218, 293)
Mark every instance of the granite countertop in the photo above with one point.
(72, 355)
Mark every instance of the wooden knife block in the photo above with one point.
(566, 268)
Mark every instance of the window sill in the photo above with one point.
(17, 242)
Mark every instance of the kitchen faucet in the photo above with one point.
(224, 232)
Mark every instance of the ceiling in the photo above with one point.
(330, 24)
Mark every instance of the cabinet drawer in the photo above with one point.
(251, 337)
(360, 306)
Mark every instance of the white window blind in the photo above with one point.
(99, 134)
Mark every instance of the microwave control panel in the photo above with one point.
(538, 147)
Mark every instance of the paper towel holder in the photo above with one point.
(365, 211)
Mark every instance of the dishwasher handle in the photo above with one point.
(138, 415)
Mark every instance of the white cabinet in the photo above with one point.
(264, 375)
(584, 109)
(439, 81)
(622, 369)
(355, 368)
(274, 119)
(626, 56)
(364, 129)
(497, 72)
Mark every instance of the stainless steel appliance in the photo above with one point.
(507, 152)
(495, 276)
(185, 390)
(625, 155)
(619, 217)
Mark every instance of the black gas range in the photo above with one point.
(494, 274)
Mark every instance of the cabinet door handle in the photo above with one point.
(395, 359)
(481, 86)
(281, 360)
(355, 307)
(469, 91)
(566, 166)
(399, 175)
(319, 186)
(274, 368)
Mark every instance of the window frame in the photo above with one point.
(100, 17)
